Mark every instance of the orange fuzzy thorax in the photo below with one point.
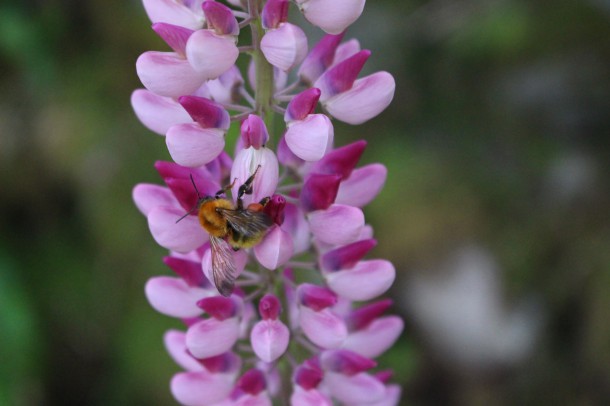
(211, 220)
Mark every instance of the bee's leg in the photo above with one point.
(225, 189)
(246, 189)
(264, 201)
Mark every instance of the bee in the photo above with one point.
(230, 227)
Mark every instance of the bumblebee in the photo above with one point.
(230, 227)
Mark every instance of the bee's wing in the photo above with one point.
(247, 222)
(223, 266)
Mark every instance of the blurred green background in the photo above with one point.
(498, 137)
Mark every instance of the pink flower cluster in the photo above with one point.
(296, 327)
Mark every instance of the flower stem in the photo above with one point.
(264, 70)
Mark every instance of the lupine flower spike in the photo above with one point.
(267, 243)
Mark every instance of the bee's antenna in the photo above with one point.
(195, 186)
(198, 200)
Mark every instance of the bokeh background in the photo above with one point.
(495, 212)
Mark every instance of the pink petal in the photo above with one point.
(323, 328)
(284, 47)
(172, 12)
(156, 112)
(367, 280)
(173, 297)
(367, 98)
(200, 388)
(147, 197)
(313, 397)
(319, 58)
(376, 338)
(254, 132)
(296, 224)
(333, 16)
(212, 337)
(308, 139)
(346, 50)
(262, 399)
(225, 86)
(390, 398)
(275, 249)
(338, 225)
(265, 181)
(269, 339)
(184, 236)
(173, 35)
(190, 145)
(361, 388)
(211, 55)
(363, 185)
(167, 74)
(175, 343)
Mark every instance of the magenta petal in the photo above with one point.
(319, 58)
(274, 13)
(265, 181)
(219, 307)
(367, 280)
(190, 145)
(212, 337)
(365, 315)
(183, 236)
(211, 55)
(269, 307)
(308, 139)
(284, 47)
(167, 74)
(175, 343)
(147, 197)
(367, 98)
(275, 249)
(275, 209)
(376, 338)
(200, 388)
(338, 225)
(333, 16)
(302, 105)
(172, 12)
(156, 112)
(254, 132)
(205, 112)
(323, 328)
(313, 397)
(363, 185)
(252, 382)
(188, 270)
(173, 297)
(319, 191)
(174, 35)
(269, 339)
(316, 297)
(346, 256)
(341, 161)
(342, 76)
(361, 388)
(220, 18)
(345, 361)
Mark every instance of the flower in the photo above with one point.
(289, 203)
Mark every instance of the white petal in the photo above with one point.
(284, 47)
(156, 112)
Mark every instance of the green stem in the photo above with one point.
(264, 70)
